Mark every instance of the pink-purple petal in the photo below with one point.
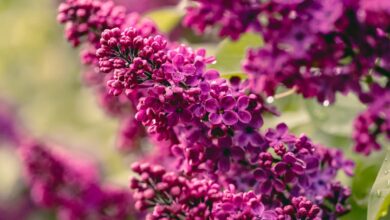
(227, 102)
(211, 105)
(244, 116)
(215, 118)
(243, 102)
(230, 118)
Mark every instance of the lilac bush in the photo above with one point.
(209, 128)
(316, 48)
(201, 144)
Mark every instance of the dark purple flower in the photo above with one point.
(223, 153)
(267, 181)
(221, 110)
(249, 133)
(290, 167)
(280, 136)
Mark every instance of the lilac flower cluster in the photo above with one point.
(71, 186)
(232, 17)
(172, 196)
(88, 18)
(374, 121)
(175, 196)
(179, 90)
(246, 205)
(317, 48)
(212, 125)
(209, 127)
(147, 5)
(85, 21)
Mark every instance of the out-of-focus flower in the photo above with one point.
(70, 185)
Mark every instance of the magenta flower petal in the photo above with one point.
(266, 187)
(282, 128)
(188, 69)
(204, 87)
(215, 118)
(260, 174)
(168, 68)
(241, 139)
(177, 76)
(281, 168)
(243, 102)
(278, 185)
(211, 105)
(227, 102)
(178, 60)
(238, 152)
(289, 158)
(244, 116)
(172, 119)
(298, 168)
(290, 177)
(186, 115)
(211, 74)
(224, 164)
(255, 139)
(230, 118)
(257, 207)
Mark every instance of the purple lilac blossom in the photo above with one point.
(374, 121)
(85, 20)
(198, 120)
(174, 108)
(147, 5)
(318, 48)
(70, 185)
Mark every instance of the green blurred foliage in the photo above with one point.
(379, 200)
(230, 53)
(166, 18)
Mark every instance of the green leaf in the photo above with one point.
(230, 75)
(166, 19)
(379, 200)
(230, 53)
(336, 119)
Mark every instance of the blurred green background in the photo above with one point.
(41, 75)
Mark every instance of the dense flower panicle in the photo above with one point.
(374, 121)
(317, 48)
(236, 206)
(232, 17)
(175, 196)
(147, 5)
(71, 186)
(85, 21)
(88, 18)
(214, 124)
(207, 130)
(305, 209)
(178, 88)
(172, 196)
(133, 57)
